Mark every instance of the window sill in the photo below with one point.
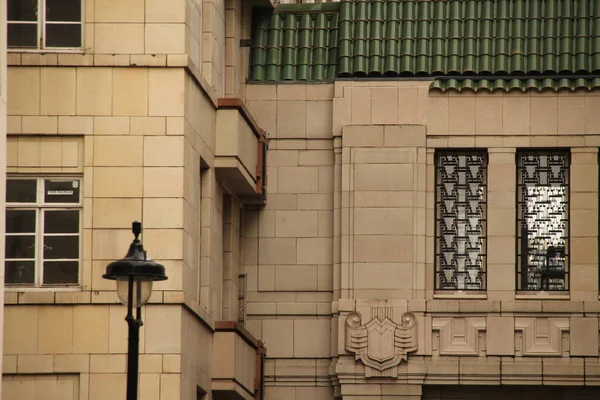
(542, 295)
(14, 289)
(460, 294)
(46, 51)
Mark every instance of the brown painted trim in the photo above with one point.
(233, 326)
(238, 104)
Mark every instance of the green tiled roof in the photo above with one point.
(375, 38)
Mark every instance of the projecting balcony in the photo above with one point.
(241, 150)
(238, 360)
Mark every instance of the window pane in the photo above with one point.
(61, 191)
(21, 190)
(22, 35)
(22, 10)
(61, 272)
(20, 221)
(20, 246)
(61, 221)
(63, 10)
(19, 272)
(63, 35)
(543, 209)
(461, 220)
(61, 247)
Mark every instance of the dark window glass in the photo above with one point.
(61, 247)
(63, 35)
(20, 246)
(61, 272)
(22, 10)
(61, 221)
(20, 221)
(61, 191)
(63, 10)
(22, 35)
(19, 272)
(542, 220)
(461, 202)
(21, 191)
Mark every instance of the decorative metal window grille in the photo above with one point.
(461, 219)
(543, 220)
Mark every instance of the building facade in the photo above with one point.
(358, 200)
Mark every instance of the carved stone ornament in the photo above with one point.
(381, 344)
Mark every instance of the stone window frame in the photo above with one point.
(40, 206)
(566, 253)
(42, 22)
(437, 253)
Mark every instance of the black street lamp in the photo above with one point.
(134, 275)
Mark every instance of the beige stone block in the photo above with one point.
(278, 335)
(315, 202)
(312, 337)
(71, 363)
(461, 115)
(130, 92)
(9, 364)
(108, 38)
(319, 119)
(170, 386)
(383, 221)
(266, 278)
(111, 125)
(584, 336)
(108, 363)
(51, 152)
(384, 105)
(56, 323)
(362, 136)
(35, 364)
(75, 125)
(383, 275)
(261, 92)
(148, 125)
(584, 278)
(163, 182)
(381, 199)
(544, 114)
(501, 222)
(13, 125)
(571, 114)
(325, 224)
(163, 329)
(592, 117)
(296, 223)
(163, 151)
(171, 363)
(163, 213)
(166, 244)
(383, 177)
(581, 176)
(583, 222)
(28, 149)
(408, 105)
(166, 92)
(149, 386)
(165, 11)
(90, 327)
(296, 91)
(109, 182)
(316, 157)
(119, 11)
(382, 248)
(165, 38)
(488, 114)
(501, 249)
(319, 92)
(502, 177)
(116, 213)
(500, 336)
(580, 250)
(405, 136)
(277, 251)
(107, 386)
(295, 277)
(315, 251)
(40, 125)
(516, 115)
(118, 151)
(23, 91)
(291, 119)
(298, 180)
(265, 113)
(58, 87)
(584, 201)
(94, 91)
(21, 330)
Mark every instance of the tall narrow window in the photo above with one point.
(461, 190)
(543, 220)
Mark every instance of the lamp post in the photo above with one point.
(134, 275)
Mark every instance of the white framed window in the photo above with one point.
(44, 24)
(43, 231)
